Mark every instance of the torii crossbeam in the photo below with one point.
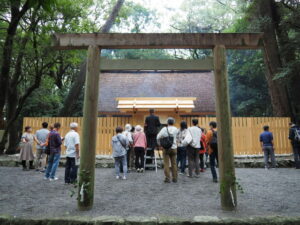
(219, 42)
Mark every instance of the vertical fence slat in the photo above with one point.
(245, 131)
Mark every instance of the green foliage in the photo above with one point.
(248, 87)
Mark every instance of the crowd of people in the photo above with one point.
(48, 149)
(193, 145)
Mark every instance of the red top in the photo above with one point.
(203, 144)
(140, 140)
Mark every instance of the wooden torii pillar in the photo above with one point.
(218, 42)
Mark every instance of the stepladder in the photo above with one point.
(151, 158)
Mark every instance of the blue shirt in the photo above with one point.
(266, 138)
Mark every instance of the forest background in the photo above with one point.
(36, 80)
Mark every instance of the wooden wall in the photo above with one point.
(246, 131)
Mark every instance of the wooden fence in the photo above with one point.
(246, 131)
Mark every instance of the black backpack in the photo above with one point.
(167, 142)
(214, 141)
(297, 135)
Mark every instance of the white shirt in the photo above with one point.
(71, 139)
(193, 137)
(164, 133)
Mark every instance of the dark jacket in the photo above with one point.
(152, 125)
(55, 142)
(292, 136)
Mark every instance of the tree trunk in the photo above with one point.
(13, 137)
(16, 16)
(288, 55)
(77, 87)
(277, 90)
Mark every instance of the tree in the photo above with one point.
(77, 87)
(31, 59)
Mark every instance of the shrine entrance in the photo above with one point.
(218, 42)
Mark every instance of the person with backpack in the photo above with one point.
(119, 145)
(294, 136)
(192, 141)
(167, 139)
(140, 145)
(128, 135)
(267, 145)
(212, 144)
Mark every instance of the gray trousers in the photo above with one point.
(269, 153)
(193, 160)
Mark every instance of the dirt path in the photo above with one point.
(273, 192)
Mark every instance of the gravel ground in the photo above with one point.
(266, 193)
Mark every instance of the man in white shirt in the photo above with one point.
(171, 153)
(192, 141)
(72, 142)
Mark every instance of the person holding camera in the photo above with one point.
(167, 139)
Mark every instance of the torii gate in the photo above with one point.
(219, 42)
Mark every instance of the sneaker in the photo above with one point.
(181, 173)
(42, 171)
(142, 170)
(25, 169)
(53, 179)
(117, 177)
(197, 176)
(37, 170)
(124, 178)
(174, 180)
(215, 180)
(46, 178)
(167, 180)
(138, 170)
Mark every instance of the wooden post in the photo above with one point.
(225, 146)
(89, 131)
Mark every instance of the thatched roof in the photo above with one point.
(157, 84)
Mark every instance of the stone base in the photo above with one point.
(114, 220)
(103, 161)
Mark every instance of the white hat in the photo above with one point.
(138, 128)
(73, 125)
(128, 127)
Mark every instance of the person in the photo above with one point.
(152, 124)
(212, 145)
(26, 153)
(267, 145)
(119, 146)
(41, 136)
(294, 136)
(54, 142)
(128, 134)
(169, 155)
(202, 150)
(72, 142)
(140, 145)
(192, 141)
(181, 150)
